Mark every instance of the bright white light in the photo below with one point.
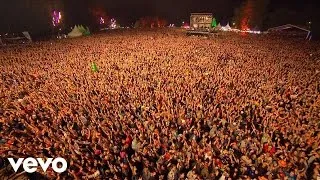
(101, 20)
(113, 23)
(248, 31)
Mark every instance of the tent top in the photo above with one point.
(287, 26)
(75, 32)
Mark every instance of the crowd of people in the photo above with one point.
(162, 105)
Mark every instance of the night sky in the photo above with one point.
(34, 15)
(174, 11)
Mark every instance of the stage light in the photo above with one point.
(101, 20)
(113, 23)
(56, 18)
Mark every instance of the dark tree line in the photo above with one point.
(263, 14)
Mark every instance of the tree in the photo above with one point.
(214, 22)
(150, 22)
